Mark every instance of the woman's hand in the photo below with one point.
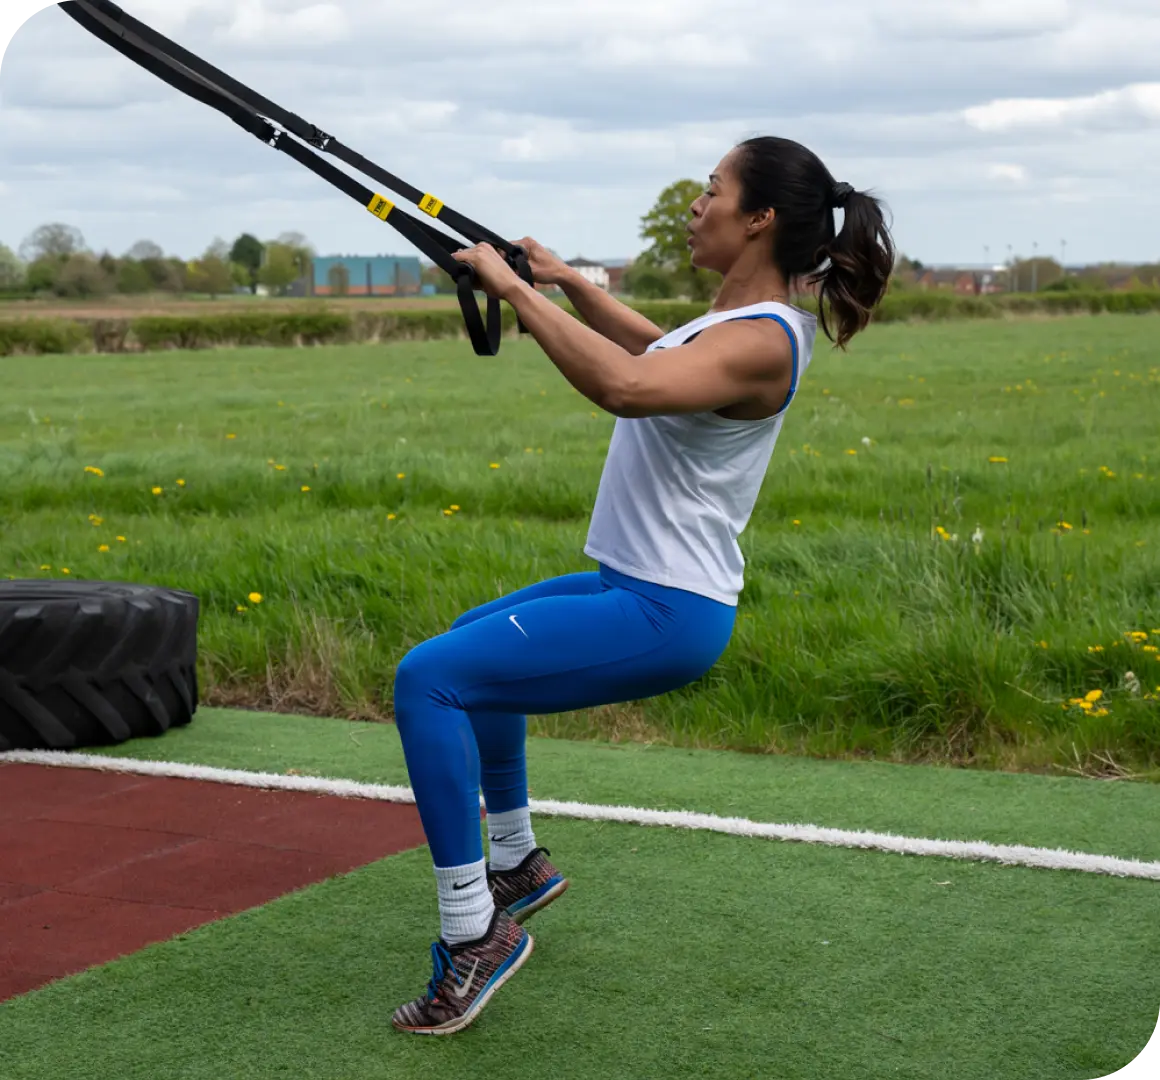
(547, 269)
(496, 277)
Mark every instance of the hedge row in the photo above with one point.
(158, 333)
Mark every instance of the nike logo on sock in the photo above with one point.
(465, 884)
(500, 839)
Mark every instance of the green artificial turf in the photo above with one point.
(673, 955)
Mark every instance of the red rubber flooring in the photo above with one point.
(96, 865)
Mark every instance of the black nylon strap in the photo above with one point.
(189, 74)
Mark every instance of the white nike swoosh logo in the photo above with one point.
(518, 627)
(465, 989)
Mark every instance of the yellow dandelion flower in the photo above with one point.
(400, 476)
(1100, 712)
(1086, 705)
(1093, 695)
(181, 483)
(796, 522)
(852, 453)
(269, 461)
(305, 488)
(454, 507)
(46, 567)
(1095, 648)
(120, 539)
(280, 468)
(997, 460)
(65, 570)
(906, 401)
(447, 513)
(255, 598)
(390, 517)
(103, 548)
(231, 436)
(93, 470)
(242, 608)
(157, 491)
(494, 465)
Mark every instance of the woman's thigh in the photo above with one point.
(566, 585)
(562, 651)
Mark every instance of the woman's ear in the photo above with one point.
(760, 222)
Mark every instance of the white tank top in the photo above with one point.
(677, 491)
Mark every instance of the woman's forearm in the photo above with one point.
(609, 317)
(590, 361)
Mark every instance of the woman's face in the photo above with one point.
(719, 231)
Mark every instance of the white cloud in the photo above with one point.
(965, 19)
(1132, 105)
(1015, 174)
(255, 23)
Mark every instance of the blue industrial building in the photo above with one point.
(366, 275)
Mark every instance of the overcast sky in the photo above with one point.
(982, 123)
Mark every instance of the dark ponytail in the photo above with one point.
(852, 267)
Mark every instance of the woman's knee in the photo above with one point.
(415, 677)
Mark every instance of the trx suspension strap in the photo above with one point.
(191, 75)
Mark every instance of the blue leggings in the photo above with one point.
(573, 642)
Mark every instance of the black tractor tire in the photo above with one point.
(94, 663)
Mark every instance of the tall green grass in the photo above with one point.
(863, 630)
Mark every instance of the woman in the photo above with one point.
(699, 411)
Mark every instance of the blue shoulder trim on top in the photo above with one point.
(793, 345)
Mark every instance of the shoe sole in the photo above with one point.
(520, 915)
(451, 1027)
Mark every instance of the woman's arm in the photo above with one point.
(727, 364)
(608, 317)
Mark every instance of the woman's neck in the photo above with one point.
(745, 285)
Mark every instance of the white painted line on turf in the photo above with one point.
(976, 851)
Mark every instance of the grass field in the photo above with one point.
(812, 963)
(371, 494)
(126, 307)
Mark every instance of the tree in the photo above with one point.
(648, 282)
(83, 276)
(210, 274)
(664, 225)
(145, 249)
(247, 252)
(301, 247)
(132, 277)
(437, 276)
(280, 269)
(43, 273)
(1029, 275)
(55, 241)
(12, 272)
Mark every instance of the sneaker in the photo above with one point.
(464, 979)
(532, 885)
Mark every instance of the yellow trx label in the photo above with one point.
(430, 205)
(381, 207)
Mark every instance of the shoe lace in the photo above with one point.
(442, 963)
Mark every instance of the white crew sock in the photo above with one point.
(510, 838)
(465, 913)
